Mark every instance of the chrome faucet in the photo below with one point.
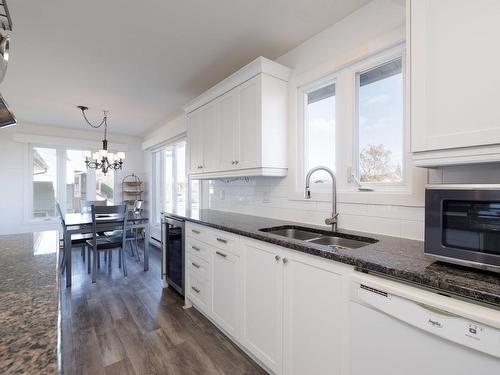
(330, 220)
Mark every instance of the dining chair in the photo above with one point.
(76, 239)
(85, 206)
(108, 219)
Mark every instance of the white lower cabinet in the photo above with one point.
(314, 312)
(287, 309)
(263, 303)
(226, 291)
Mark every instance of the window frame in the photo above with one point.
(364, 66)
(302, 159)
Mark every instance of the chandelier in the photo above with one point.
(101, 159)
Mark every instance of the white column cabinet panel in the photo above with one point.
(226, 291)
(211, 136)
(263, 304)
(195, 141)
(228, 125)
(248, 133)
(455, 117)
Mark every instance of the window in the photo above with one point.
(44, 182)
(60, 175)
(380, 121)
(76, 180)
(319, 130)
(170, 183)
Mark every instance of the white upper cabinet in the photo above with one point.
(454, 57)
(242, 122)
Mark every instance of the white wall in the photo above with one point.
(14, 164)
(377, 26)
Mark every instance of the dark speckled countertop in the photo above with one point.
(28, 304)
(398, 258)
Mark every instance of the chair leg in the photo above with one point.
(120, 255)
(62, 266)
(94, 264)
(131, 248)
(137, 249)
(124, 260)
(98, 260)
(105, 256)
(83, 252)
(110, 257)
(88, 259)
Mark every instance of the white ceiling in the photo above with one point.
(142, 60)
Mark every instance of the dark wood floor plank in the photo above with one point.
(87, 353)
(123, 367)
(111, 347)
(175, 333)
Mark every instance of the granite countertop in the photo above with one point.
(398, 258)
(29, 303)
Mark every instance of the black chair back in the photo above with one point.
(108, 218)
(60, 214)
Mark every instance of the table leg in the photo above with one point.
(67, 252)
(146, 247)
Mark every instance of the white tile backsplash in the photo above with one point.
(268, 197)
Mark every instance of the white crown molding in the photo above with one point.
(79, 144)
(457, 156)
(251, 172)
(257, 66)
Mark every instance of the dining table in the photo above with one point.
(81, 223)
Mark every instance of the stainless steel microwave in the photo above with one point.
(462, 225)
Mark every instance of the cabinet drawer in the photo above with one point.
(224, 241)
(198, 292)
(196, 231)
(198, 266)
(198, 248)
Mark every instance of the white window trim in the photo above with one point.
(411, 193)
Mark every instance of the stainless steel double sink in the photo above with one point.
(333, 240)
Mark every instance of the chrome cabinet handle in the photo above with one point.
(221, 240)
(195, 248)
(195, 231)
(236, 162)
(221, 254)
(195, 289)
(277, 257)
(200, 166)
(285, 260)
(195, 265)
(232, 162)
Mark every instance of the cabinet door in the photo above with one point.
(454, 84)
(195, 141)
(313, 311)
(263, 304)
(229, 123)
(226, 291)
(211, 139)
(248, 133)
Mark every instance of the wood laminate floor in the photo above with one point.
(134, 326)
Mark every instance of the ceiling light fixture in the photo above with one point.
(101, 159)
